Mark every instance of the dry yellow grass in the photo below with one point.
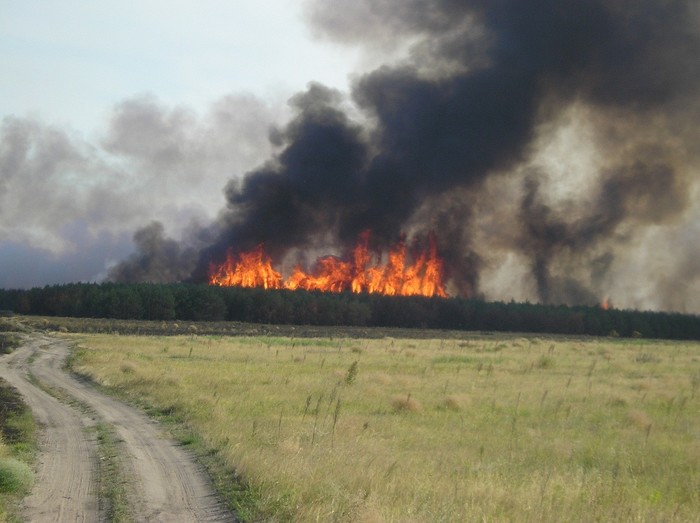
(486, 428)
(405, 403)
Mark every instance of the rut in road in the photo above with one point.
(66, 477)
(165, 483)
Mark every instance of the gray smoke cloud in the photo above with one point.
(69, 204)
(158, 259)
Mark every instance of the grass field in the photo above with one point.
(477, 428)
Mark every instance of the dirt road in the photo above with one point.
(164, 483)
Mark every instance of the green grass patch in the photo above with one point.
(9, 341)
(15, 476)
(18, 450)
(113, 492)
(452, 359)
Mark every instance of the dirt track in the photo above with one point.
(164, 483)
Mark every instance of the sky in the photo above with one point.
(551, 145)
(71, 62)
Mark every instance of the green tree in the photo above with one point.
(123, 302)
(158, 301)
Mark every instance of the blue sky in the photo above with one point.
(69, 62)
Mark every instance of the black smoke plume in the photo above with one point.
(157, 259)
(463, 107)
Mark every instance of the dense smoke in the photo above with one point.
(549, 137)
(69, 207)
(157, 259)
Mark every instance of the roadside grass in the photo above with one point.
(18, 448)
(9, 341)
(479, 428)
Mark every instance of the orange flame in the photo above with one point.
(605, 304)
(363, 273)
(252, 269)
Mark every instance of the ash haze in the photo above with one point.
(552, 144)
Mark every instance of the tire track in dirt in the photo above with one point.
(164, 483)
(66, 477)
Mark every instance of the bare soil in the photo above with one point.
(164, 483)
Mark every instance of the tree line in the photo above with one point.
(193, 302)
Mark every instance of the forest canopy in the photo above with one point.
(192, 302)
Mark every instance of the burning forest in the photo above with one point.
(550, 147)
(363, 272)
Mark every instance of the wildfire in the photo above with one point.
(363, 272)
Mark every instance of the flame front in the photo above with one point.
(251, 269)
(363, 273)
